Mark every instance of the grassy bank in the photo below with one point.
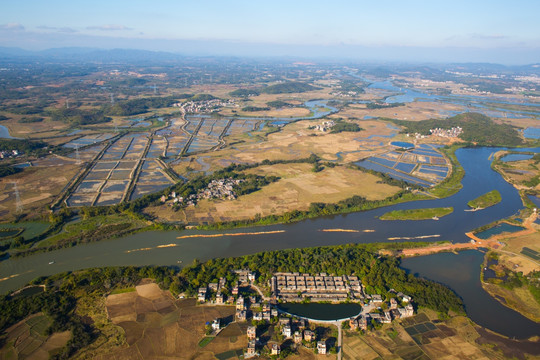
(452, 184)
(417, 214)
(488, 199)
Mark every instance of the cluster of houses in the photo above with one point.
(295, 287)
(291, 329)
(452, 133)
(205, 106)
(325, 126)
(4, 154)
(216, 189)
(376, 314)
(322, 287)
(345, 94)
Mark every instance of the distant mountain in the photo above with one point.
(89, 55)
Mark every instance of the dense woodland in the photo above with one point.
(342, 126)
(474, 127)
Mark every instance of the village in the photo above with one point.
(5, 154)
(454, 132)
(205, 106)
(273, 331)
(216, 189)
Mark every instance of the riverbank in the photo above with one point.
(428, 250)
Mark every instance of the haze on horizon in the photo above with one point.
(459, 31)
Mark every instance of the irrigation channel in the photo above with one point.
(176, 248)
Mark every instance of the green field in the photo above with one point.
(489, 199)
(417, 214)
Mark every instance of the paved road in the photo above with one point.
(339, 341)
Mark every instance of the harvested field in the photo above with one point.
(156, 325)
(38, 187)
(297, 189)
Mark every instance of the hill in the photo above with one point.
(289, 88)
(477, 128)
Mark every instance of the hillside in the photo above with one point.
(477, 128)
(289, 88)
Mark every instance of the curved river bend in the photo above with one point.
(142, 248)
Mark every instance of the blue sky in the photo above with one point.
(484, 27)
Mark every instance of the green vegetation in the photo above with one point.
(205, 341)
(289, 88)
(255, 108)
(452, 183)
(342, 126)
(244, 92)
(417, 214)
(474, 127)
(489, 199)
(510, 280)
(375, 105)
(138, 106)
(93, 227)
(6, 170)
(23, 146)
(64, 290)
(279, 104)
(202, 97)
(346, 86)
(380, 274)
(74, 116)
(30, 120)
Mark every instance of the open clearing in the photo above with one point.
(298, 187)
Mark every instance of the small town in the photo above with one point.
(288, 331)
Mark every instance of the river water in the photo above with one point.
(461, 273)
(4, 133)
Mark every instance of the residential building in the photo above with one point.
(252, 332)
(321, 347)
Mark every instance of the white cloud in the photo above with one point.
(12, 27)
(109, 27)
(65, 30)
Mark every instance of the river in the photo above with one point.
(4, 133)
(143, 248)
(493, 106)
(479, 179)
(461, 273)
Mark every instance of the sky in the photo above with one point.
(472, 30)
